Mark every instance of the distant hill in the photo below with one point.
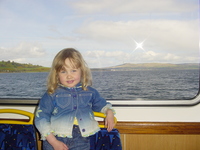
(11, 66)
(8, 66)
(152, 66)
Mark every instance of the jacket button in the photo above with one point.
(75, 107)
(83, 130)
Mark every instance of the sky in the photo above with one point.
(106, 32)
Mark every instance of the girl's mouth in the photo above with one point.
(71, 81)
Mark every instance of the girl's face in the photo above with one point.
(69, 76)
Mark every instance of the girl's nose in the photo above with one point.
(69, 76)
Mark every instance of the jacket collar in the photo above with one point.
(77, 87)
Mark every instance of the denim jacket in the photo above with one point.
(56, 112)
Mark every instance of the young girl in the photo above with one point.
(64, 116)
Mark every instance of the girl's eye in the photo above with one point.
(74, 70)
(62, 71)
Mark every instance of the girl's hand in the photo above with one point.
(57, 145)
(109, 120)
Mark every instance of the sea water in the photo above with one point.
(119, 85)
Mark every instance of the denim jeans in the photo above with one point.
(76, 143)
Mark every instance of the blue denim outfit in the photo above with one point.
(56, 112)
(74, 143)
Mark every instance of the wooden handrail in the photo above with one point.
(158, 127)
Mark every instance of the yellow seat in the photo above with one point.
(103, 139)
(102, 115)
(15, 134)
(17, 111)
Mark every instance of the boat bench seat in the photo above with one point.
(21, 135)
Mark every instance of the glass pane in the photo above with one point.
(136, 49)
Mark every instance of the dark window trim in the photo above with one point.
(117, 103)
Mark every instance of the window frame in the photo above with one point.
(115, 103)
(118, 103)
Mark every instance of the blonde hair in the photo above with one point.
(77, 61)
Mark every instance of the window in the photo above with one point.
(140, 52)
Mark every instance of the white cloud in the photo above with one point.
(22, 52)
(134, 6)
(102, 58)
(106, 33)
(159, 35)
